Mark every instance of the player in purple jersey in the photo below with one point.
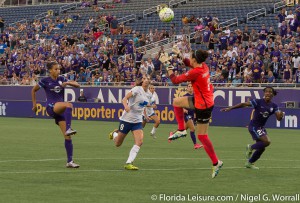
(263, 109)
(56, 107)
(189, 115)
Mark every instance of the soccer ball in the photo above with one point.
(166, 15)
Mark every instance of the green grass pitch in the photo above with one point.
(32, 164)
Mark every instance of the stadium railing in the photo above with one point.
(163, 84)
(230, 22)
(176, 2)
(157, 44)
(15, 3)
(282, 4)
(127, 18)
(41, 16)
(258, 12)
(64, 8)
(150, 10)
(20, 21)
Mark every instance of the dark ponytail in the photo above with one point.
(200, 55)
(51, 64)
(139, 81)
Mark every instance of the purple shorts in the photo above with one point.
(54, 115)
(188, 117)
(257, 132)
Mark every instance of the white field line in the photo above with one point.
(123, 170)
(154, 158)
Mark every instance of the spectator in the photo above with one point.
(236, 82)
(3, 47)
(114, 26)
(2, 24)
(82, 98)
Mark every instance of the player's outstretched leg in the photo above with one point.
(138, 141)
(68, 146)
(69, 149)
(180, 132)
(259, 148)
(217, 164)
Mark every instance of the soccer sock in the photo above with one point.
(132, 154)
(153, 131)
(258, 145)
(193, 137)
(69, 150)
(68, 117)
(256, 155)
(115, 134)
(204, 139)
(179, 117)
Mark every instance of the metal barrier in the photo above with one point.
(41, 16)
(68, 7)
(149, 11)
(282, 4)
(128, 18)
(176, 2)
(233, 21)
(278, 5)
(38, 3)
(20, 21)
(155, 44)
(258, 12)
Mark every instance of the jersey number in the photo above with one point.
(260, 132)
(121, 126)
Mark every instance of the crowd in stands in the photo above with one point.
(95, 56)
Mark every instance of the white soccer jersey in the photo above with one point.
(137, 104)
(153, 99)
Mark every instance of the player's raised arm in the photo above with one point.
(33, 97)
(71, 83)
(240, 105)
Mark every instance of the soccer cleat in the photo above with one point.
(111, 134)
(130, 167)
(71, 164)
(248, 151)
(70, 132)
(153, 135)
(251, 166)
(177, 135)
(216, 169)
(197, 146)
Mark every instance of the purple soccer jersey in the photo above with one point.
(53, 89)
(262, 111)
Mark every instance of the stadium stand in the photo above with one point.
(52, 36)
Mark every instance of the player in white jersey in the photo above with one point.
(134, 103)
(150, 114)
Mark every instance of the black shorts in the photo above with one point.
(203, 115)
